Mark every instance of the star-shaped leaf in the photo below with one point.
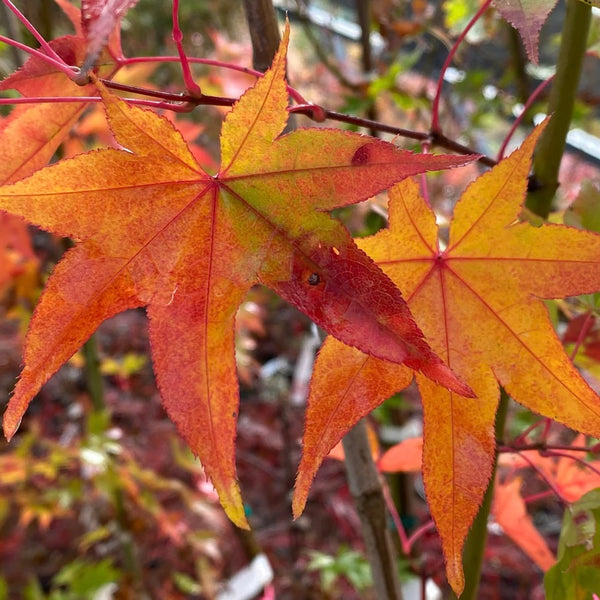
(155, 230)
(478, 301)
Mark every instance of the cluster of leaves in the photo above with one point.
(90, 496)
(153, 228)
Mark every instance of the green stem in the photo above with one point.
(92, 374)
(562, 100)
(476, 540)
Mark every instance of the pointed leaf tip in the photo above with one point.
(234, 509)
(444, 376)
(10, 425)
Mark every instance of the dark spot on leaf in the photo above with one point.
(314, 279)
(361, 156)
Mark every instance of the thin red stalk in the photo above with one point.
(58, 64)
(543, 448)
(435, 111)
(543, 476)
(395, 518)
(575, 458)
(424, 187)
(36, 34)
(538, 90)
(211, 62)
(308, 110)
(190, 85)
(419, 531)
(538, 496)
(524, 434)
(179, 107)
(49, 99)
(547, 424)
(585, 328)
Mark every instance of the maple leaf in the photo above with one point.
(479, 303)
(40, 128)
(99, 21)
(508, 508)
(568, 477)
(155, 230)
(511, 514)
(527, 17)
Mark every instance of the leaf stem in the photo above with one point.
(475, 543)
(36, 34)
(551, 146)
(435, 111)
(93, 376)
(57, 62)
(190, 85)
(538, 90)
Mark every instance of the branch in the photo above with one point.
(551, 146)
(365, 487)
(264, 32)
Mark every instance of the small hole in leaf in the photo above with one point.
(314, 279)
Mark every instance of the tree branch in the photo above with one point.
(365, 487)
(551, 146)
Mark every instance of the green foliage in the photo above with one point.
(347, 563)
(78, 580)
(187, 584)
(576, 574)
(585, 211)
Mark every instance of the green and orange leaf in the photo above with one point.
(155, 230)
(478, 302)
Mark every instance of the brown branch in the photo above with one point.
(365, 487)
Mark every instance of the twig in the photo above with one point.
(264, 32)
(190, 85)
(435, 112)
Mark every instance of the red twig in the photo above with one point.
(190, 85)
(585, 328)
(36, 34)
(57, 62)
(582, 462)
(543, 476)
(395, 518)
(543, 448)
(435, 112)
(538, 90)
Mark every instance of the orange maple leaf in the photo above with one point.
(511, 514)
(158, 231)
(479, 303)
